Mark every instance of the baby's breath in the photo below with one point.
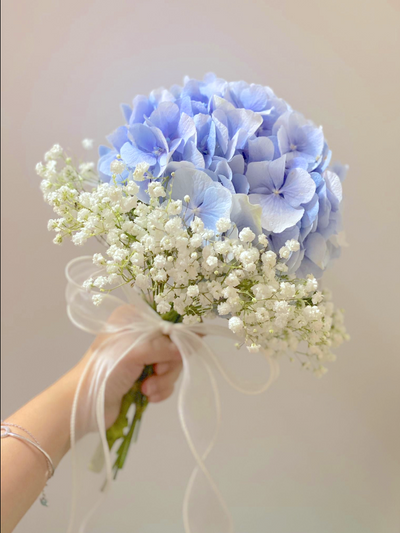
(190, 270)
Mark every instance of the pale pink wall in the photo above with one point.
(309, 456)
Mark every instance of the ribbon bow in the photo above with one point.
(198, 404)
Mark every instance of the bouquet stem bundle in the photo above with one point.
(133, 397)
(116, 432)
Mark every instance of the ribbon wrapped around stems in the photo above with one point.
(126, 324)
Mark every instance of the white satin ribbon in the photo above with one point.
(198, 403)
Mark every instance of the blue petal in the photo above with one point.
(254, 97)
(132, 156)
(246, 120)
(324, 207)
(310, 211)
(208, 200)
(294, 261)
(141, 108)
(259, 178)
(299, 187)
(318, 179)
(220, 167)
(276, 171)
(192, 89)
(222, 105)
(121, 178)
(240, 184)
(283, 140)
(127, 112)
(340, 170)
(103, 150)
(333, 227)
(118, 137)
(191, 182)
(217, 204)
(238, 139)
(143, 137)
(185, 106)
(212, 140)
(166, 118)
(222, 132)
(211, 174)
(237, 164)
(297, 162)
(308, 267)
(202, 123)
(316, 250)
(161, 141)
(192, 155)
(175, 145)
(299, 137)
(261, 149)
(311, 141)
(246, 215)
(227, 183)
(324, 159)
(277, 240)
(186, 128)
(212, 85)
(277, 214)
(334, 188)
(142, 194)
(103, 165)
(266, 176)
(160, 95)
(199, 107)
(173, 166)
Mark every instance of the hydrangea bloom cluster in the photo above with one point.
(250, 142)
(189, 250)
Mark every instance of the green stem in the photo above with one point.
(132, 434)
(136, 397)
(116, 431)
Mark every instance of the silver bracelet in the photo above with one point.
(6, 432)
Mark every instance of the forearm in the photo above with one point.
(24, 468)
(47, 417)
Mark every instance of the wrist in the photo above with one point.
(52, 409)
(63, 393)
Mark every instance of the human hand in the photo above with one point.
(160, 352)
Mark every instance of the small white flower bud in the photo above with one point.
(293, 245)
(193, 291)
(262, 239)
(117, 166)
(235, 324)
(223, 224)
(246, 235)
(87, 144)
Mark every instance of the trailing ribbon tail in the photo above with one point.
(132, 323)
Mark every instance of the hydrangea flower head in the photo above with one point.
(225, 141)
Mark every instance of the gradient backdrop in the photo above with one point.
(309, 456)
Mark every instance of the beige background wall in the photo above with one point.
(310, 456)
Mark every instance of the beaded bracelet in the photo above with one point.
(6, 432)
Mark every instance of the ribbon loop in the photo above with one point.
(131, 324)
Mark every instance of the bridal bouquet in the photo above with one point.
(215, 199)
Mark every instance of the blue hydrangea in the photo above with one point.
(237, 150)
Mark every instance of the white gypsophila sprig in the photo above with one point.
(189, 271)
